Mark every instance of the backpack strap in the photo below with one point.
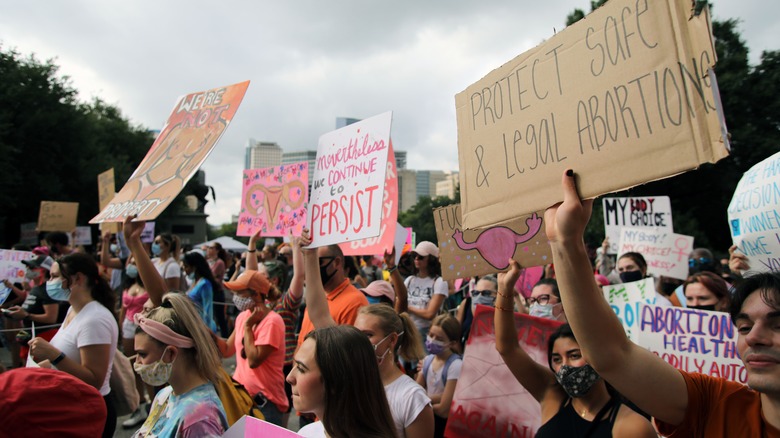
(427, 364)
(447, 364)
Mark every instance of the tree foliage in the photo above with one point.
(52, 146)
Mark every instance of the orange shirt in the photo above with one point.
(343, 303)
(719, 408)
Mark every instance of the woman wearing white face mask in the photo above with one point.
(85, 344)
(392, 335)
(545, 300)
(174, 347)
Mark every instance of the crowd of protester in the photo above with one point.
(367, 346)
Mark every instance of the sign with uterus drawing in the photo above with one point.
(273, 200)
(466, 253)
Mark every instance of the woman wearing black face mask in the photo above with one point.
(706, 291)
(575, 401)
(632, 267)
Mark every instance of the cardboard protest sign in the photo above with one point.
(81, 236)
(247, 427)
(488, 400)
(466, 253)
(626, 300)
(58, 216)
(192, 130)
(28, 233)
(11, 266)
(665, 253)
(273, 200)
(384, 241)
(106, 192)
(692, 340)
(654, 212)
(754, 215)
(402, 236)
(349, 178)
(626, 88)
(147, 235)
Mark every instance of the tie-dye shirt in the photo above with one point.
(197, 413)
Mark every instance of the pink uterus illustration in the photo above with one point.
(497, 244)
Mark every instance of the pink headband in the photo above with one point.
(162, 332)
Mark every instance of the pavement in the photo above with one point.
(229, 364)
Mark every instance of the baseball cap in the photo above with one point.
(380, 288)
(426, 248)
(252, 280)
(42, 261)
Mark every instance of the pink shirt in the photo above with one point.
(133, 304)
(268, 378)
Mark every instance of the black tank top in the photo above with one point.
(567, 423)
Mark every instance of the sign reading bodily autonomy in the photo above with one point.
(466, 253)
(384, 242)
(489, 401)
(754, 215)
(197, 122)
(273, 200)
(653, 212)
(348, 184)
(692, 340)
(665, 253)
(628, 87)
(626, 300)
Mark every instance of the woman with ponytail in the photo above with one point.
(85, 344)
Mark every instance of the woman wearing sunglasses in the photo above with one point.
(484, 293)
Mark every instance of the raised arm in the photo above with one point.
(316, 299)
(401, 294)
(251, 252)
(296, 284)
(105, 256)
(153, 282)
(644, 378)
(535, 378)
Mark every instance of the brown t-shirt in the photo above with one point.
(719, 408)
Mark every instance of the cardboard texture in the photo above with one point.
(665, 253)
(384, 242)
(488, 400)
(654, 212)
(623, 97)
(348, 184)
(466, 253)
(273, 200)
(697, 341)
(196, 124)
(754, 215)
(106, 192)
(58, 216)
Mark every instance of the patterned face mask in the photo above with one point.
(243, 303)
(577, 381)
(155, 374)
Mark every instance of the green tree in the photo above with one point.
(420, 216)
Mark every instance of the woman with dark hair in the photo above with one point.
(165, 250)
(632, 267)
(203, 286)
(85, 344)
(575, 401)
(425, 290)
(218, 259)
(348, 404)
(707, 291)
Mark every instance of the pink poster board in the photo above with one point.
(273, 200)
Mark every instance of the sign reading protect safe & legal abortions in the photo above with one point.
(348, 183)
(624, 96)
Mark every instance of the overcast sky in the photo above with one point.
(308, 62)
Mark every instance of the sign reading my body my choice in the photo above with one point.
(348, 182)
(653, 212)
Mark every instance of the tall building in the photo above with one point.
(261, 154)
(449, 185)
(400, 159)
(407, 189)
(299, 156)
(344, 121)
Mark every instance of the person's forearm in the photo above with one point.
(252, 355)
(598, 331)
(153, 282)
(504, 320)
(296, 284)
(401, 295)
(316, 300)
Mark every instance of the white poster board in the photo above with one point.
(147, 235)
(754, 215)
(625, 300)
(81, 236)
(653, 212)
(666, 253)
(11, 267)
(348, 182)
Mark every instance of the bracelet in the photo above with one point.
(505, 295)
(252, 250)
(58, 359)
(393, 269)
(505, 309)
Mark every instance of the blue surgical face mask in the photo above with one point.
(156, 250)
(114, 248)
(485, 300)
(542, 310)
(131, 271)
(56, 291)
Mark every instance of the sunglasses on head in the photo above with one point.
(692, 263)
